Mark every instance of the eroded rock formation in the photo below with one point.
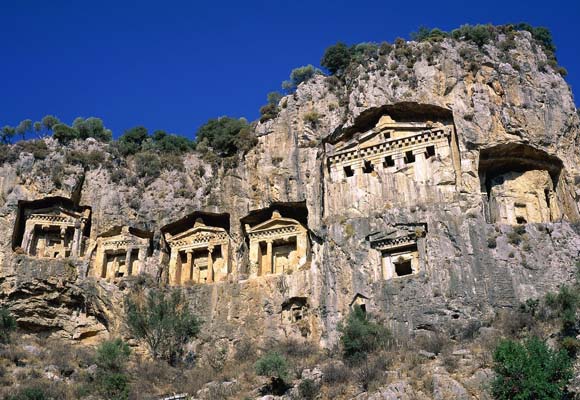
(398, 178)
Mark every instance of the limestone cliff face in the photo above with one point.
(504, 117)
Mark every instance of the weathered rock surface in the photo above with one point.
(471, 267)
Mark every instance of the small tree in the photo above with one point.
(299, 75)
(529, 371)
(132, 139)
(336, 58)
(112, 355)
(275, 366)
(64, 133)
(92, 128)
(7, 325)
(221, 135)
(163, 321)
(360, 335)
(112, 381)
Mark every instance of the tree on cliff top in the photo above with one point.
(226, 136)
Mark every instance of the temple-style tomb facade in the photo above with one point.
(400, 251)
(52, 228)
(391, 146)
(199, 253)
(278, 245)
(520, 185)
(121, 252)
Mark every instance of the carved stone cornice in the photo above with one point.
(275, 233)
(390, 146)
(394, 243)
(200, 239)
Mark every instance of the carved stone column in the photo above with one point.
(209, 264)
(254, 257)
(28, 235)
(128, 261)
(142, 255)
(173, 275)
(267, 262)
(100, 262)
(399, 160)
(226, 257)
(188, 265)
(420, 170)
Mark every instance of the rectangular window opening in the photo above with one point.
(368, 167)
(409, 157)
(430, 152)
(388, 162)
(348, 171)
(403, 268)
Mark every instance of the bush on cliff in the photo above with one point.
(361, 336)
(112, 381)
(163, 321)
(225, 136)
(7, 325)
(275, 366)
(530, 370)
(336, 58)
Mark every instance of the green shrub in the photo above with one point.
(147, 165)
(336, 58)
(529, 371)
(308, 389)
(571, 345)
(164, 322)
(426, 34)
(112, 355)
(272, 364)
(225, 136)
(31, 393)
(312, 118)
(268, 112)
(478, 34)
(171, 144)
(299, 75)
(92, 128)
(91, 159)
(276, 367)
(113, 386)
(361, 336)
(37, 148)
(565, 303)
(7, 325)
(130, 142)
(64, 133)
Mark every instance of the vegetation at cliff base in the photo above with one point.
(7, 325)
(361, 336)
(163, 321)
(530, 370)
(112, 380)
(274, 366)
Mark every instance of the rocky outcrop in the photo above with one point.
(508, 107)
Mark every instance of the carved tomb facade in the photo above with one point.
(200, 254)
(55, 230)
(121, 252)
(278, 245)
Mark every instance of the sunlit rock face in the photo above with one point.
(389, 200)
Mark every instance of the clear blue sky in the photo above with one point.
(174, 64)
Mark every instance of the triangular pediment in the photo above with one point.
(275, 223)
(202, 230)
(56, 211)
(386, 129)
